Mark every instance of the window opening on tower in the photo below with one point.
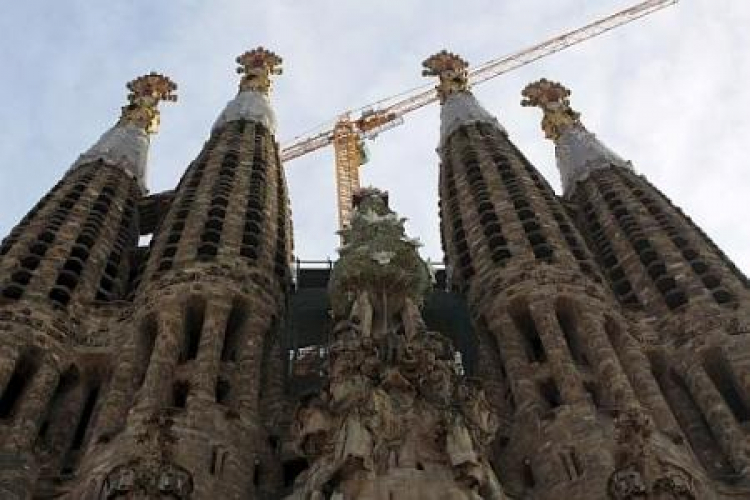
(532, 342)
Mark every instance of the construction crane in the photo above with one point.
(347, 134)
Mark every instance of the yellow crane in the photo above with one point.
(347, 134)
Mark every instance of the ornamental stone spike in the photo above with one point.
(458, 106)
(257, 66)
(252, 102)
(452, 71)
(552, 98)
(578, 151)
(145, 94)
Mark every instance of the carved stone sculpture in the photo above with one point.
(395, 409)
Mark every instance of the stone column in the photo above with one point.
(490, 371)
(203, 382)
(603, 356)
(517, 367)
(561, 363)
(638, 368)
(249, 362)
(160, 373)
(120, 392)
(34, 405)
(727, 433)
(273, 392)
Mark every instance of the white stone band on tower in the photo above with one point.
(459, 106)
(252, 102)
(459, 109)
(126, 144)
(579, 153)
(251, 105)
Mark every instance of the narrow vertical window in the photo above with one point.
(149, 331)
(222, 391)
(532, 342)
(25, 369)
(527, 473)
(83, 423)
(232, 333)
(564, 312)
(180, 392)
(194, 317)
(721, 375)
(550, 393)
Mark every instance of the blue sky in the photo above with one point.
(668, 92)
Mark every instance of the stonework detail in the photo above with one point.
(459, 107)
(153, 474)
(252, 102)
(578, 151)
(126, 144)
(640, 471)
(396, 418)
(588, 346)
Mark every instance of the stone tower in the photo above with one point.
(584, 390)
(686, 300)
(591, 345)
(74, 249)
(183, 415)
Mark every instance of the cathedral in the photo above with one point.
(589, 345)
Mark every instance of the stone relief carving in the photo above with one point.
(153, 474)
(640, 472)
(395, 407)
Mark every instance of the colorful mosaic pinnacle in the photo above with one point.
(257, 66)
(452, 71)
(145, 94)
(552, 98)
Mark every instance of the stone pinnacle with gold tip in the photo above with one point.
(552, 98)
(452, 71)
(257, 66)
(145, 94)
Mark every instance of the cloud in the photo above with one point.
(666, 92)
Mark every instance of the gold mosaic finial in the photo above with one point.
(257, 66)
(452, 71)
(552, 98)
(145, 94)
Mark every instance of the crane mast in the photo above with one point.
(347, 134)
(347, 146)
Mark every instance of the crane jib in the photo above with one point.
(422, 96)
(388, 113)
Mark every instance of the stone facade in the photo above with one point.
(608, 357)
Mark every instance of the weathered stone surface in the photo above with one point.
(612, 335)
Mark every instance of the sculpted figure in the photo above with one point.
(396, 415)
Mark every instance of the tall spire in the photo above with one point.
(578, 151)
(126, 143)
(459, 106)
(252, 102)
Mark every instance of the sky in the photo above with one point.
(668, 92)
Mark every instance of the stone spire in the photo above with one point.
(459, 106)
(396, 418)
(126, 143)
(578, 151)
(252, 102)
